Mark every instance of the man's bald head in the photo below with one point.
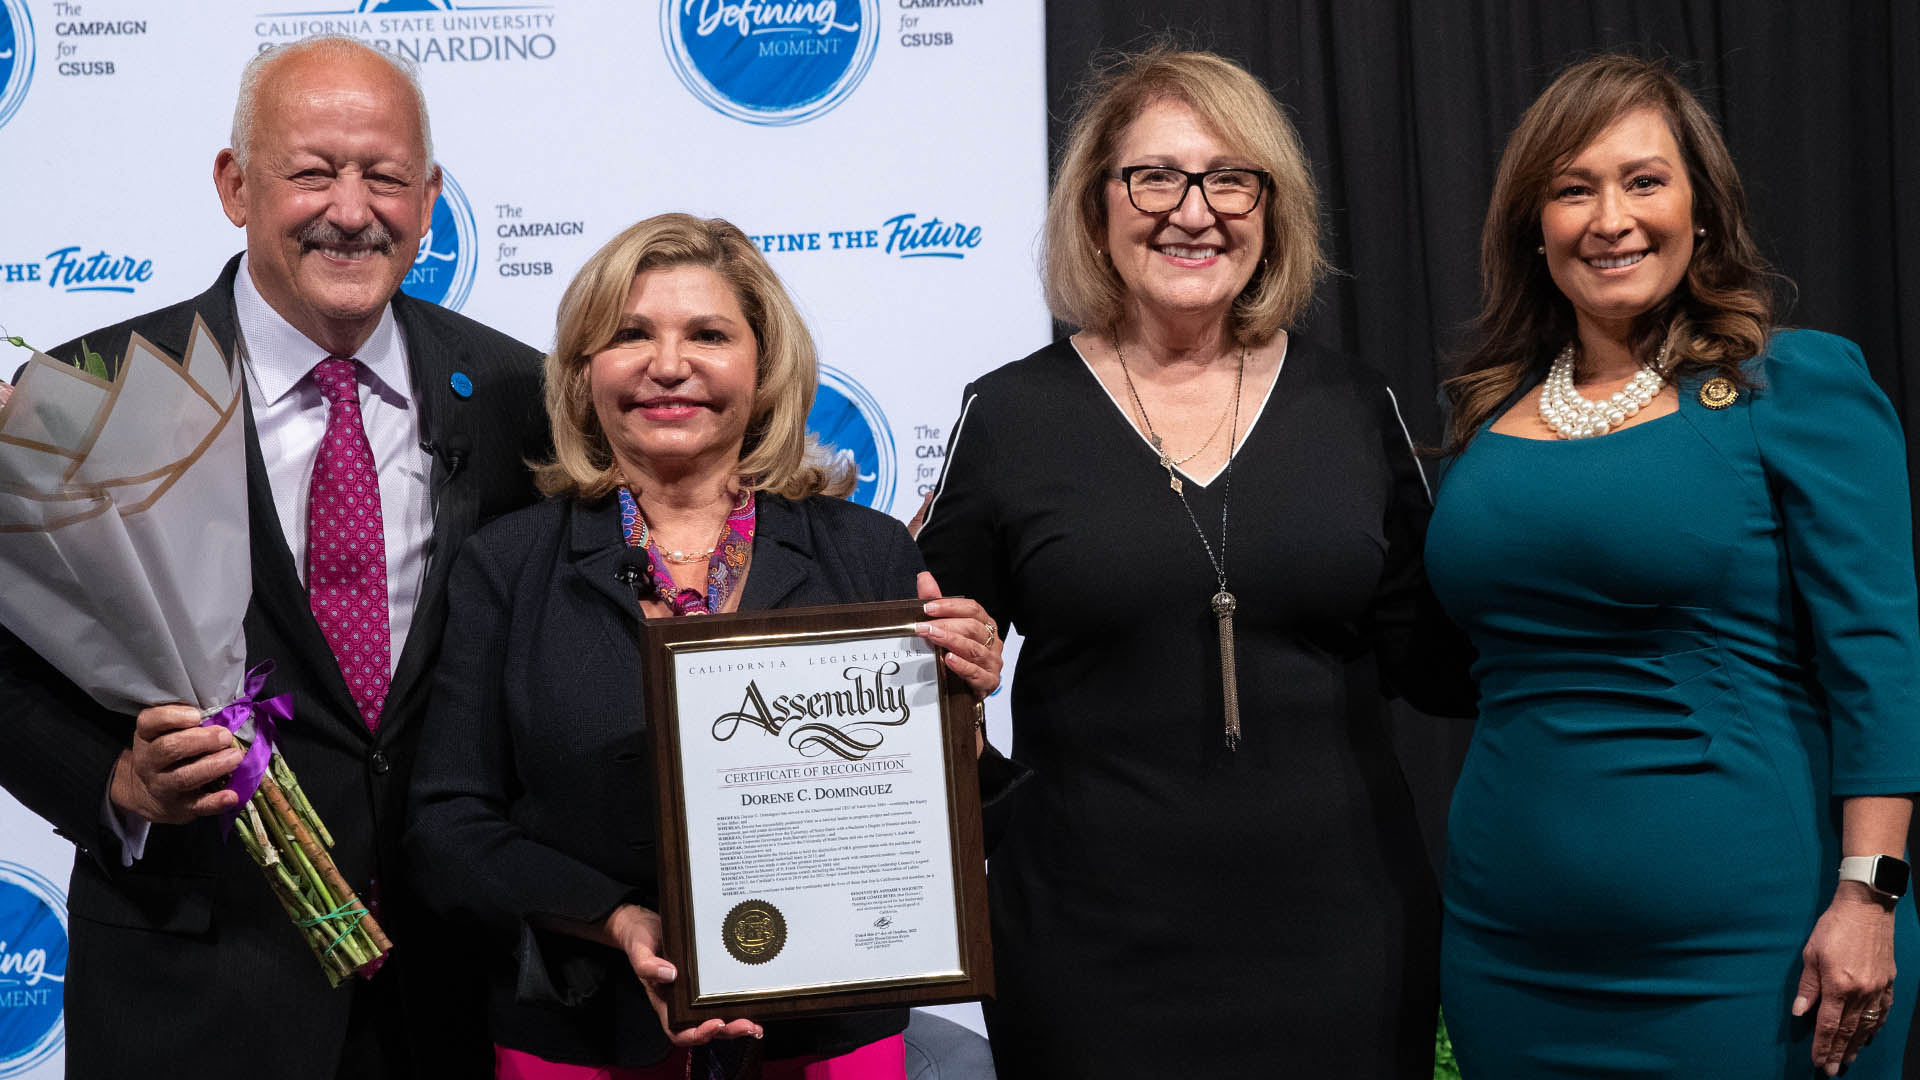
(321, 47)
(332, 176)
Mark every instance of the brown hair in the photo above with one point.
(778, 454)
(1082, 287)
(1719, 316)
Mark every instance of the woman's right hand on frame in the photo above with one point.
(636, 931)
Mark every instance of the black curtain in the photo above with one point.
(1405, 105)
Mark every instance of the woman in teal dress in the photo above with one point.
(1680, 540)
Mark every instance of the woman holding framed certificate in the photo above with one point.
(683, 481)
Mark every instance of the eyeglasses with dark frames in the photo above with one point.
(1159, 189)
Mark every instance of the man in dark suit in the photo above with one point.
(421, 421)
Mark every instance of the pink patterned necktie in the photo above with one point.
(346, 544)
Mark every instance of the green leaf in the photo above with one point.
(93, 363)
(1445, 1067)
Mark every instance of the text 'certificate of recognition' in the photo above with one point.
(818, 847)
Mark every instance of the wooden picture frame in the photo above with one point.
(703, 680)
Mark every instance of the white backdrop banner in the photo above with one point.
(889, 156)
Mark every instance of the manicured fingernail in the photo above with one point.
(1799, 1005)
(927, 629)
(759, 1033)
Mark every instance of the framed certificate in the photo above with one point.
(819, 806)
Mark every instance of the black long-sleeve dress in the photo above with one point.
(1162, 905)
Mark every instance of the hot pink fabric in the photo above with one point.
(883, 1060)
(346, 544)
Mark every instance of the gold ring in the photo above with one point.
(993, 634)
(1872, 1016)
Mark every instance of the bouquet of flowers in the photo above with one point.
(116, 490)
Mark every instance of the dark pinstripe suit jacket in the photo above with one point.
(185, 960)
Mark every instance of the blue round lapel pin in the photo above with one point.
(462, 386)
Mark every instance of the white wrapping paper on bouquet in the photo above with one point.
(125, 563)
(123, 525)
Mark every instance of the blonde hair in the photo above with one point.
(778, 455)
(1713, 322)
(1082, 287)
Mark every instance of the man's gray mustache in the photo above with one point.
(325, 234)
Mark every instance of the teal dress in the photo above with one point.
(1696, 636)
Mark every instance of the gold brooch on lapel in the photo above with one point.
(1719, 392)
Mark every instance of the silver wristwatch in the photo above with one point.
(1884, 874)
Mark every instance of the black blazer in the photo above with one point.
(534, 791)
(185, 958)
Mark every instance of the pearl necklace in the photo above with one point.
(1572, 416)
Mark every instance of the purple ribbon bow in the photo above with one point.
(265, 713)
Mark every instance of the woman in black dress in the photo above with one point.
(1208, 531)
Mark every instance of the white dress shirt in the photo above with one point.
(290, 414)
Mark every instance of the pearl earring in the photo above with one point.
(1701, 231)
(1541, 250)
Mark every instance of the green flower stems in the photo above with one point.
(260, 845)
(315, 858)
(283, 774)
(280, 832)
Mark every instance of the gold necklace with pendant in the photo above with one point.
(1167, 462)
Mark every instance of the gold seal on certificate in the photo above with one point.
(819, 814)
(754, 931)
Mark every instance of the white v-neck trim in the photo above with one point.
(1148, 443)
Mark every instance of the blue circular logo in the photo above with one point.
(33, 969)
(771, 63)
(16, 56)
(848, 419)
(443, 268)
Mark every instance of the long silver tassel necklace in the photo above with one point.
(1223, 601)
